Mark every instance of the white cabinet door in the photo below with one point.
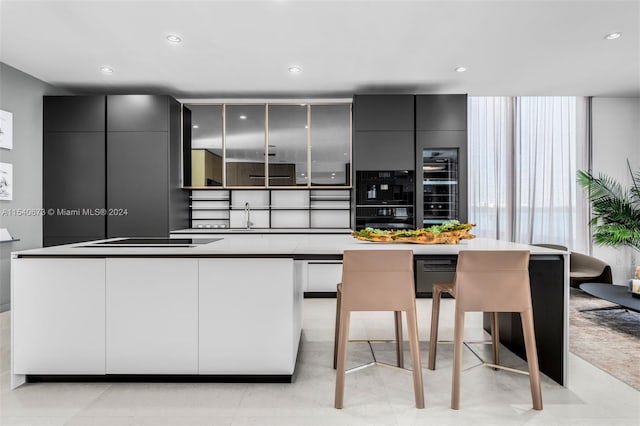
(250, 316)
(152, 316)
(324, 276)
(58, 316)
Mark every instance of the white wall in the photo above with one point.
(616, 138)
(22, 94)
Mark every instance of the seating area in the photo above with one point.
(485, 281)
(584, 268)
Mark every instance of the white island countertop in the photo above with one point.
(278, 245)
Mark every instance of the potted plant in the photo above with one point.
(615, 209)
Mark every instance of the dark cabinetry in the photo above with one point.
(383, 113)
(384, 150)
(95, 159)
(138, 113)
(441, 158)
(441, 112)
(73, 169)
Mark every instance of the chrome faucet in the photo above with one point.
(247, 212)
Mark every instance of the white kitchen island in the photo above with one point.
(226, 310)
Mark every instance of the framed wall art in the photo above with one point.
(6, 129)
(6, 182)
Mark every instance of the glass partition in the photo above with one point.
(245, 145)
(330, 145)
(234, 145)
(287, 146)
(206, 145)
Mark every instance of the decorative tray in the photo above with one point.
(450, 232)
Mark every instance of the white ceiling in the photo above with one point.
(243, 48)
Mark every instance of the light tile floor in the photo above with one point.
(373, 396)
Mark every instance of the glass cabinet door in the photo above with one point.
(245, 145)
(330, 145)
(440, 185)
(287, 145)
(206, 145)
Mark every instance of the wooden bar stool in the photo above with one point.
(489, 281)
(377, 280)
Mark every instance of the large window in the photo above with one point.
(523, 158)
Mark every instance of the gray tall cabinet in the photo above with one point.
(441, 124)
(119, 154)
(391, 132)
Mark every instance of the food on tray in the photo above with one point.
(450, 232)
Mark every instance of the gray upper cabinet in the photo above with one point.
(384, 151)
(74, 114)
(441, 112)
(383, 112)
(137, 113)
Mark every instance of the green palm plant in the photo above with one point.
(616, 210)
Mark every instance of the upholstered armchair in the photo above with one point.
(588, 269)
(584, 268)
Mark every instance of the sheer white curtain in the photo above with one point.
(522, 167)
(490, 162)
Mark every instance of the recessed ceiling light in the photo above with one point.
(460, 69)
(303, 104)
(195, 126)
(613, 36)
(174, 38)
(243, 117)
(107, 70)
(295, 69)
(333, 174)
(306, 127)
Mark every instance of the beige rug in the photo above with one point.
(608, 339)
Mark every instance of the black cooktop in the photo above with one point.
(159, 241)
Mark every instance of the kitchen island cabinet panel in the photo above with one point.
(58, 316)
(250, 316)
(152, 316)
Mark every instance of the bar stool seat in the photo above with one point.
(377, 280)
(489, 281)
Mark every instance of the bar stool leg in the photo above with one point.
(458, 335)
(399, 339)
(433, 337)
(412, 328)
(532, 357)
(495, 338)
(336, 333)
(343, 340)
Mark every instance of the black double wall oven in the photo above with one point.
(385, 199)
